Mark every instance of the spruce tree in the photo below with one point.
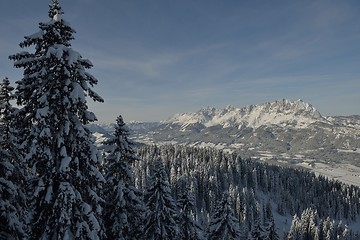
(269, 224)
(124, 206)
(189, 228)
(295, 229)
(309, 224)
(12, 197)
(223, 223)
(66, 182)
(6, 109)
(161, 213)
(270, 230)
(257, 231)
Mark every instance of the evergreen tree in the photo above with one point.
(66, 183)
(295, 229)
(161, 214)
(6, 109)
(257, 232)
(270, 229)
(346, 233)
(294, 189)
(309, 224)
(189, 228)
(223, 223)
(124, 207)
(12, 197)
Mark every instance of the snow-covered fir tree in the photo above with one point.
(294, 189)
(309, 224)
(66, 182)
(269, 224)
(270, 231)
(189, 228)
(12, 177)
(161, 215)
(223, 223)
(257, 231)
(295, 232)
(123, 213)
(6, 109)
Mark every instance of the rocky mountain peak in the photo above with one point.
(281, 112)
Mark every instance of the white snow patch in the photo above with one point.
(38, 35)
(345, 173)
(42, 112)
(356, 150)
(297, 114)
(64, 166)
(48, 195)
(77, 94)
(57, 17)
(86, 208)
(73, 57)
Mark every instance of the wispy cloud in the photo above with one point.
(154, 59)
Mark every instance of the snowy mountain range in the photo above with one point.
(280, 132)
(283, 113)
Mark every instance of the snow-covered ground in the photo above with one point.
(345, 173)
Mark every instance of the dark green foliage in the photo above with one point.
(161, 216)
(223, 223)
(295, 232)
(189, 228)
(309, 226)
(270, 232)
(124, 209)
(211, 171)
(257, 232)
(12, 176)
(64, 190)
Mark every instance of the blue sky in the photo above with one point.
(156, 58)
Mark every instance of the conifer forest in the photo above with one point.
(55, 183)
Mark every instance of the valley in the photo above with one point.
(284, 132)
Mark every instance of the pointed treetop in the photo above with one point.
(120, 120)
(55, 10)
(5, 85)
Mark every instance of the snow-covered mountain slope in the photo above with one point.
(281, 131)
(298, 114)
